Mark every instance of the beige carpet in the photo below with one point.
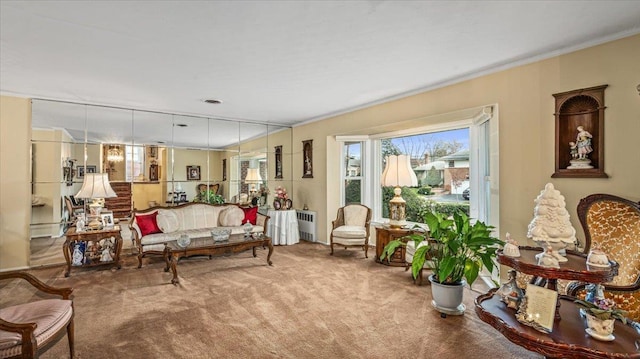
(307, 305)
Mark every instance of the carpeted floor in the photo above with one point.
(307, 305)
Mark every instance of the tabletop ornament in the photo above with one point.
(601, 315)
(551, 225)
(598, 259)
(509, 291)
(511, 248)
(548, 258)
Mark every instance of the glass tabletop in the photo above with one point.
(210, 242)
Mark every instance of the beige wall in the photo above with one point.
(526, 131)
(15, 178)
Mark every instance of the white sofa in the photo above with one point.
(193, 219)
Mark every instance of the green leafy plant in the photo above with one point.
(602, 309)
(457, 249)
(208, 196)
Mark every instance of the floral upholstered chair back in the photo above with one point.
(612, 224)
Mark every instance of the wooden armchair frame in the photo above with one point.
(30, 348)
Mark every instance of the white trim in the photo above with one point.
(453, 125)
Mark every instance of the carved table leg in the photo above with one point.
(270, 251)
(65, 250)
(166, 253)
(174, 269)
(118, 251)
(254, 252)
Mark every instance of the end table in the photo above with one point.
(83, 249)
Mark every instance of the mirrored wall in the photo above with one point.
(152, 159)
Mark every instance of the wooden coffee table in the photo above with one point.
(207, 246)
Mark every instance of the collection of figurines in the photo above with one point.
(93, 251)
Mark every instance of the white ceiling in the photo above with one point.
(283, 62)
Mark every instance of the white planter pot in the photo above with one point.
(447, 298)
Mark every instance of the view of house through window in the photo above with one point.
(440, 161)
(352, 172)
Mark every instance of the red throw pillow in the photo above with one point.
(250, 215)
(148, 223)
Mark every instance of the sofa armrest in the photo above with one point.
(262, 220)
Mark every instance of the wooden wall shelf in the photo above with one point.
(583, 107)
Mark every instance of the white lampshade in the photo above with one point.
(398, 172)
(253, 176)
(96, 185)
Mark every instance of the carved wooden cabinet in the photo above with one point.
(385, 235)
(121, 205)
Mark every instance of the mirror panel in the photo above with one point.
(69, 140)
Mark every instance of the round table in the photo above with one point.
(283, 227)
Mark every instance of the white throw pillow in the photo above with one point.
(231, 217)
(167, 221)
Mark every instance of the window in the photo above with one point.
(134, 167)
(352, 172)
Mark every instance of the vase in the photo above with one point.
(601, 329)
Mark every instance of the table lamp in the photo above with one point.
(398, 173)
(95, 186)
(253, 178)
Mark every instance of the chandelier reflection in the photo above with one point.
(114, 154)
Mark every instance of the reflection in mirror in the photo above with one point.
(70, 140)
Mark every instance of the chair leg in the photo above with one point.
(70, 337)
(366, 250)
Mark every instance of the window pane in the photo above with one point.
(352, 191)
(440, 161)
(352, 159)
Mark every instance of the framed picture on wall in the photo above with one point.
(193, 173)
(224, 169)
(278, 152)
(307, 159)
(154, 172)
(82, 170)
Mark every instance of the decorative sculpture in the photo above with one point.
(551, 225)
(580, 150)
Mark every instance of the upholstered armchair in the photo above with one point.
(28, 329)
(351, 227)
(612, 224)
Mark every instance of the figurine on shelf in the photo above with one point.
(548, 258)
(509, 291)
(584, 143)
(511, 248)
(107, 246)
(573, 149)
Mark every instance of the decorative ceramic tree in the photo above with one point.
(551, 225)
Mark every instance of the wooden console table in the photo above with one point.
(94, 236)
(568, 338)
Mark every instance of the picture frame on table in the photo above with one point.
(193, 173)
(107, 219)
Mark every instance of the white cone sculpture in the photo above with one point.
(551, 225)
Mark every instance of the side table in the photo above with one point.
(385, 235)
(92, 248)
(283, 227)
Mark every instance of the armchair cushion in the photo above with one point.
(358, 232)
(355, 215)
(50, 315)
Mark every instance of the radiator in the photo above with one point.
(307, 225)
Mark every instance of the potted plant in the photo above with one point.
(457, 251)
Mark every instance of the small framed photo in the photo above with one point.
(193, 173)
(107, 219)
(82, 170)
